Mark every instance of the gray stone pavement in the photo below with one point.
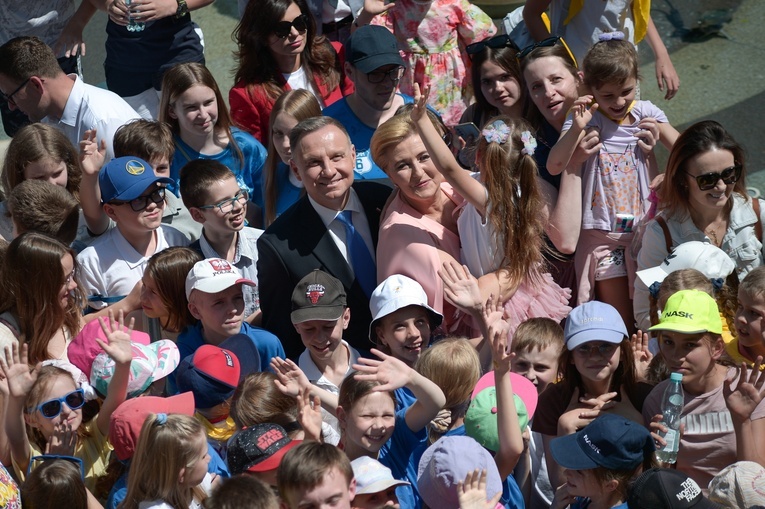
(722, 76)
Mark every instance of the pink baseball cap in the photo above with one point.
(83, 349)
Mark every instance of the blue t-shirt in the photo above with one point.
(395, 454)
(361, 136)
(248, 173)
(191, 338)
(119, 490)
(286, 192)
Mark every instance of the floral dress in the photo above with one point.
(432, 37)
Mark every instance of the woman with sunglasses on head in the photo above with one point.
(703, 198)
(278, 50)
(430, 35)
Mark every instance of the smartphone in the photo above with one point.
(467, 131)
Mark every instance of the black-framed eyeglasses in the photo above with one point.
(35, 460)
(708, 181)
(9, 98)
(496, 42)
(604, 349)
(227, 205)
(157, 196)
(52, 408)
(550, 41)
(378, 76)
(283, 29)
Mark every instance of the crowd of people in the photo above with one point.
(415, 261)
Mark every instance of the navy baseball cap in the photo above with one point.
(126, 178)
(594, 321)
(371, 47)
(610, 441)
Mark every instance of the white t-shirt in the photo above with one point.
(299, 80)
(206, 485)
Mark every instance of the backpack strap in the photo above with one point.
(667, 235)
(758, 224)
(10, 321)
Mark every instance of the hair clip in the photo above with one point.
(611, 36)
(529, 143)
(717, 282)
(496, 132)
(654, 289)
(161, 418)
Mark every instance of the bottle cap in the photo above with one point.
(676, 377)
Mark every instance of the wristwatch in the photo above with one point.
(183, 9)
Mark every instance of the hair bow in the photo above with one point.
(717, 283)
(161, 418)
(611, 36)
(496, 132)
(529, 143)
(654, 289)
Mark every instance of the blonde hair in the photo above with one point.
(453, 365)
(163, 450)
(257, 400)
(538, 334)
(754, 282)
(514, 201)
(394, 131)
(300, 104)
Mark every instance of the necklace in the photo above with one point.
(714, 237)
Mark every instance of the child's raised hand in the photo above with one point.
(119, 346)
(375, 7)
(648, 136)
(461, 287)
(471, 492)
(92, 154)
(390, 372)
(498, 331)
(309, 413)
(420, 103)
(290, 379)
(641, 353)
(583, 109)
(16, 370)
(749, 392)
(63, 440)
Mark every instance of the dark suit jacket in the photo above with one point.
(297, 243)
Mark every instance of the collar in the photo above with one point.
(312, 372)
(626, 115)
(328, 215)
(73, 102)
(128, 253)
(219, 431)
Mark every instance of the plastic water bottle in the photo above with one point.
(133, 24)
(671, 409)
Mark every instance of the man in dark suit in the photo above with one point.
(332, 228)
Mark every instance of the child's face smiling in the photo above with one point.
(614, 98)
(59, 387)
(370, 423)
(406, 332)
(151, 302)
(196, 111)
(749, 320)
(219, 222)
(322, 337)
(540, 367)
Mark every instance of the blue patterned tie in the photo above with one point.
(361, 259)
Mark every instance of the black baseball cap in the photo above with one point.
(258, 448)
(665, 488)
(371, 47)
(318, 296)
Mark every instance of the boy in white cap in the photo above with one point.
(215, 298)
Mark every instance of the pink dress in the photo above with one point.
(432, 37)
(409, 244)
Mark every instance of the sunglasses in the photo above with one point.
(709, 180)
(227, 205)
(157, 196)
(378, 76)
(496, 42)
(283, 29)
(550, 41)
(9, 98)
(52, 408)
(36, 460)
(604, 349)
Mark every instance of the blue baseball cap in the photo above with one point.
(126, 178)
(610, 441)
(594, 321)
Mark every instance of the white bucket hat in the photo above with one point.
(398, 292)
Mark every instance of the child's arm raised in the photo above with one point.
(20, 382)
(561, 152)
(92, 156)
(472, 190)
(509, 429)
(532, 16)
(290, 380)
(742, 403)
(120, 349)
(394, 374)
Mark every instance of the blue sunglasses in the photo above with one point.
(52, 408)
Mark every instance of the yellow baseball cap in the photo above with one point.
(690, 312)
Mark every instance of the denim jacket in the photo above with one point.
(740, 242)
